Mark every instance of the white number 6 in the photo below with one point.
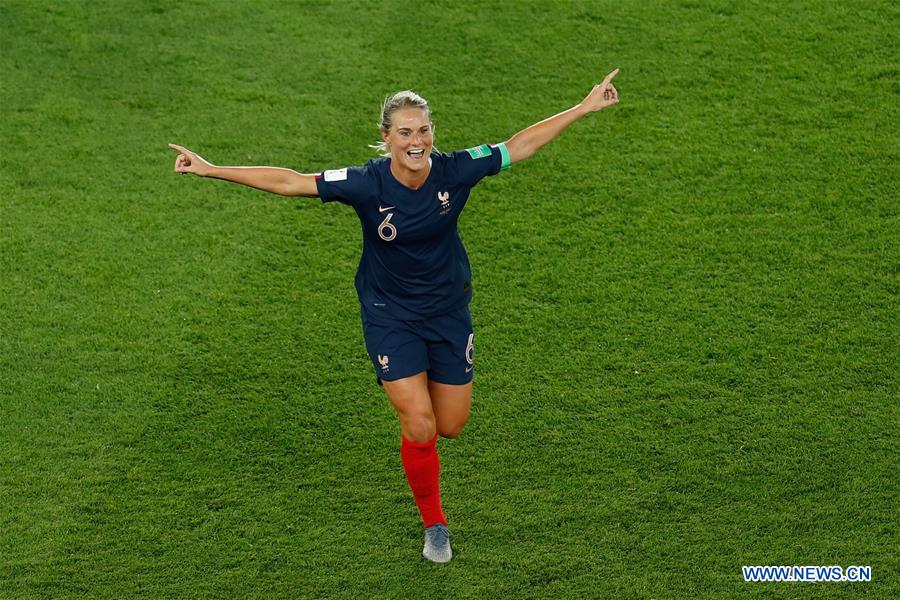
(386, 231)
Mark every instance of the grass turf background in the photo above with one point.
(686, 306)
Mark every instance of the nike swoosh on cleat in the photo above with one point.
(384, 208)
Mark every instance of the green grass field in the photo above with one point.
(686, 307)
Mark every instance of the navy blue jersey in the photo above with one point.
(413, 262)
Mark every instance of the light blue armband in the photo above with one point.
(504, 156)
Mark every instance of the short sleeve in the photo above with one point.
(350, 185)
(474, 164)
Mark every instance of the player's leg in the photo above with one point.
(412, 401)
(418, 452)
(451, 405)
(400, 358)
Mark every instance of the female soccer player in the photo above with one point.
(414, 281)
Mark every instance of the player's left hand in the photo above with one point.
(603, 94)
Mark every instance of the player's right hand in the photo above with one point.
(190, 162)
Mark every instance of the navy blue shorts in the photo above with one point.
(441, 346)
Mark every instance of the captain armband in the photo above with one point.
(504, 156)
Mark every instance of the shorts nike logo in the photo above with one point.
(384, 208)
(469, 369)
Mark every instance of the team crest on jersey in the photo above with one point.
(444, 199)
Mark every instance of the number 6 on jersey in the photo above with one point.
(386, 230)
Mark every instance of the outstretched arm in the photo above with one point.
(277, 180)
(525, 143)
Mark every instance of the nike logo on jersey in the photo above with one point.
(384, 208)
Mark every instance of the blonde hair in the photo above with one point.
(393, 103)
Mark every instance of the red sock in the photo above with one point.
(423, 472)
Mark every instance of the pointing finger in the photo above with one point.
(178, 148)
(609, 77)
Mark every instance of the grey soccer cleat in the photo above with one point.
(437, 544)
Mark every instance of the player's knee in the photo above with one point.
(451, 430)
(419, 428)
(450, 434)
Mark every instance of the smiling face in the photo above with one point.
(410, 139)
